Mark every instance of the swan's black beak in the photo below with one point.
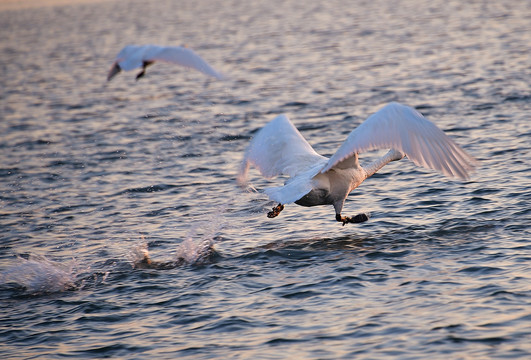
(115, 69)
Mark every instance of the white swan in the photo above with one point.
(136, 56)
(279, 149)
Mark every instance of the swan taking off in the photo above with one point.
(279, 149)
(141, 56)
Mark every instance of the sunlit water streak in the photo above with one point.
(125, 235)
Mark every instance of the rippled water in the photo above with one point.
(94, 176)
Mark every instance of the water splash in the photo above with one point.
(38, 275)
(196, 249)
(189, 252)
(139, 255)
(196, 253)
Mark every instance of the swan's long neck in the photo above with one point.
(392, 155)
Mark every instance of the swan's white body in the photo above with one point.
(279, 149)
(139, 56)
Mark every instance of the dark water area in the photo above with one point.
(94, 176)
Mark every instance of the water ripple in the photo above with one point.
(125, 235)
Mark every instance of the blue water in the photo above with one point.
(94, 176)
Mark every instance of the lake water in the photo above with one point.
(93, 175)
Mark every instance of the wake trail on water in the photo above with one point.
(35, 275)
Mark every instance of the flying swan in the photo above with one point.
(141, 56)
(279, 149)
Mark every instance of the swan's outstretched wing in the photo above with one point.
(279, 149)
(403, 128)
(134, 56)
(183, 56)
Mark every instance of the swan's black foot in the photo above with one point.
(141, 74)
(145, 64)
(276, 210)
(354, 220)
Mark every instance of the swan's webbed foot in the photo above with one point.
(145, 64)
(354, 220)
(276, 210)
(141, 74)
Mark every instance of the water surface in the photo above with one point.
(94, 175)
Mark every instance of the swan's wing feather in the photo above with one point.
(181, 56)
(279, 149)
(401, 127)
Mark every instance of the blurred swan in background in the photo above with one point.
(279, 149)
(141, 56)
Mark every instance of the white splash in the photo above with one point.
(191, 252)
(38, 275)
(196, 249)
(139, 253)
